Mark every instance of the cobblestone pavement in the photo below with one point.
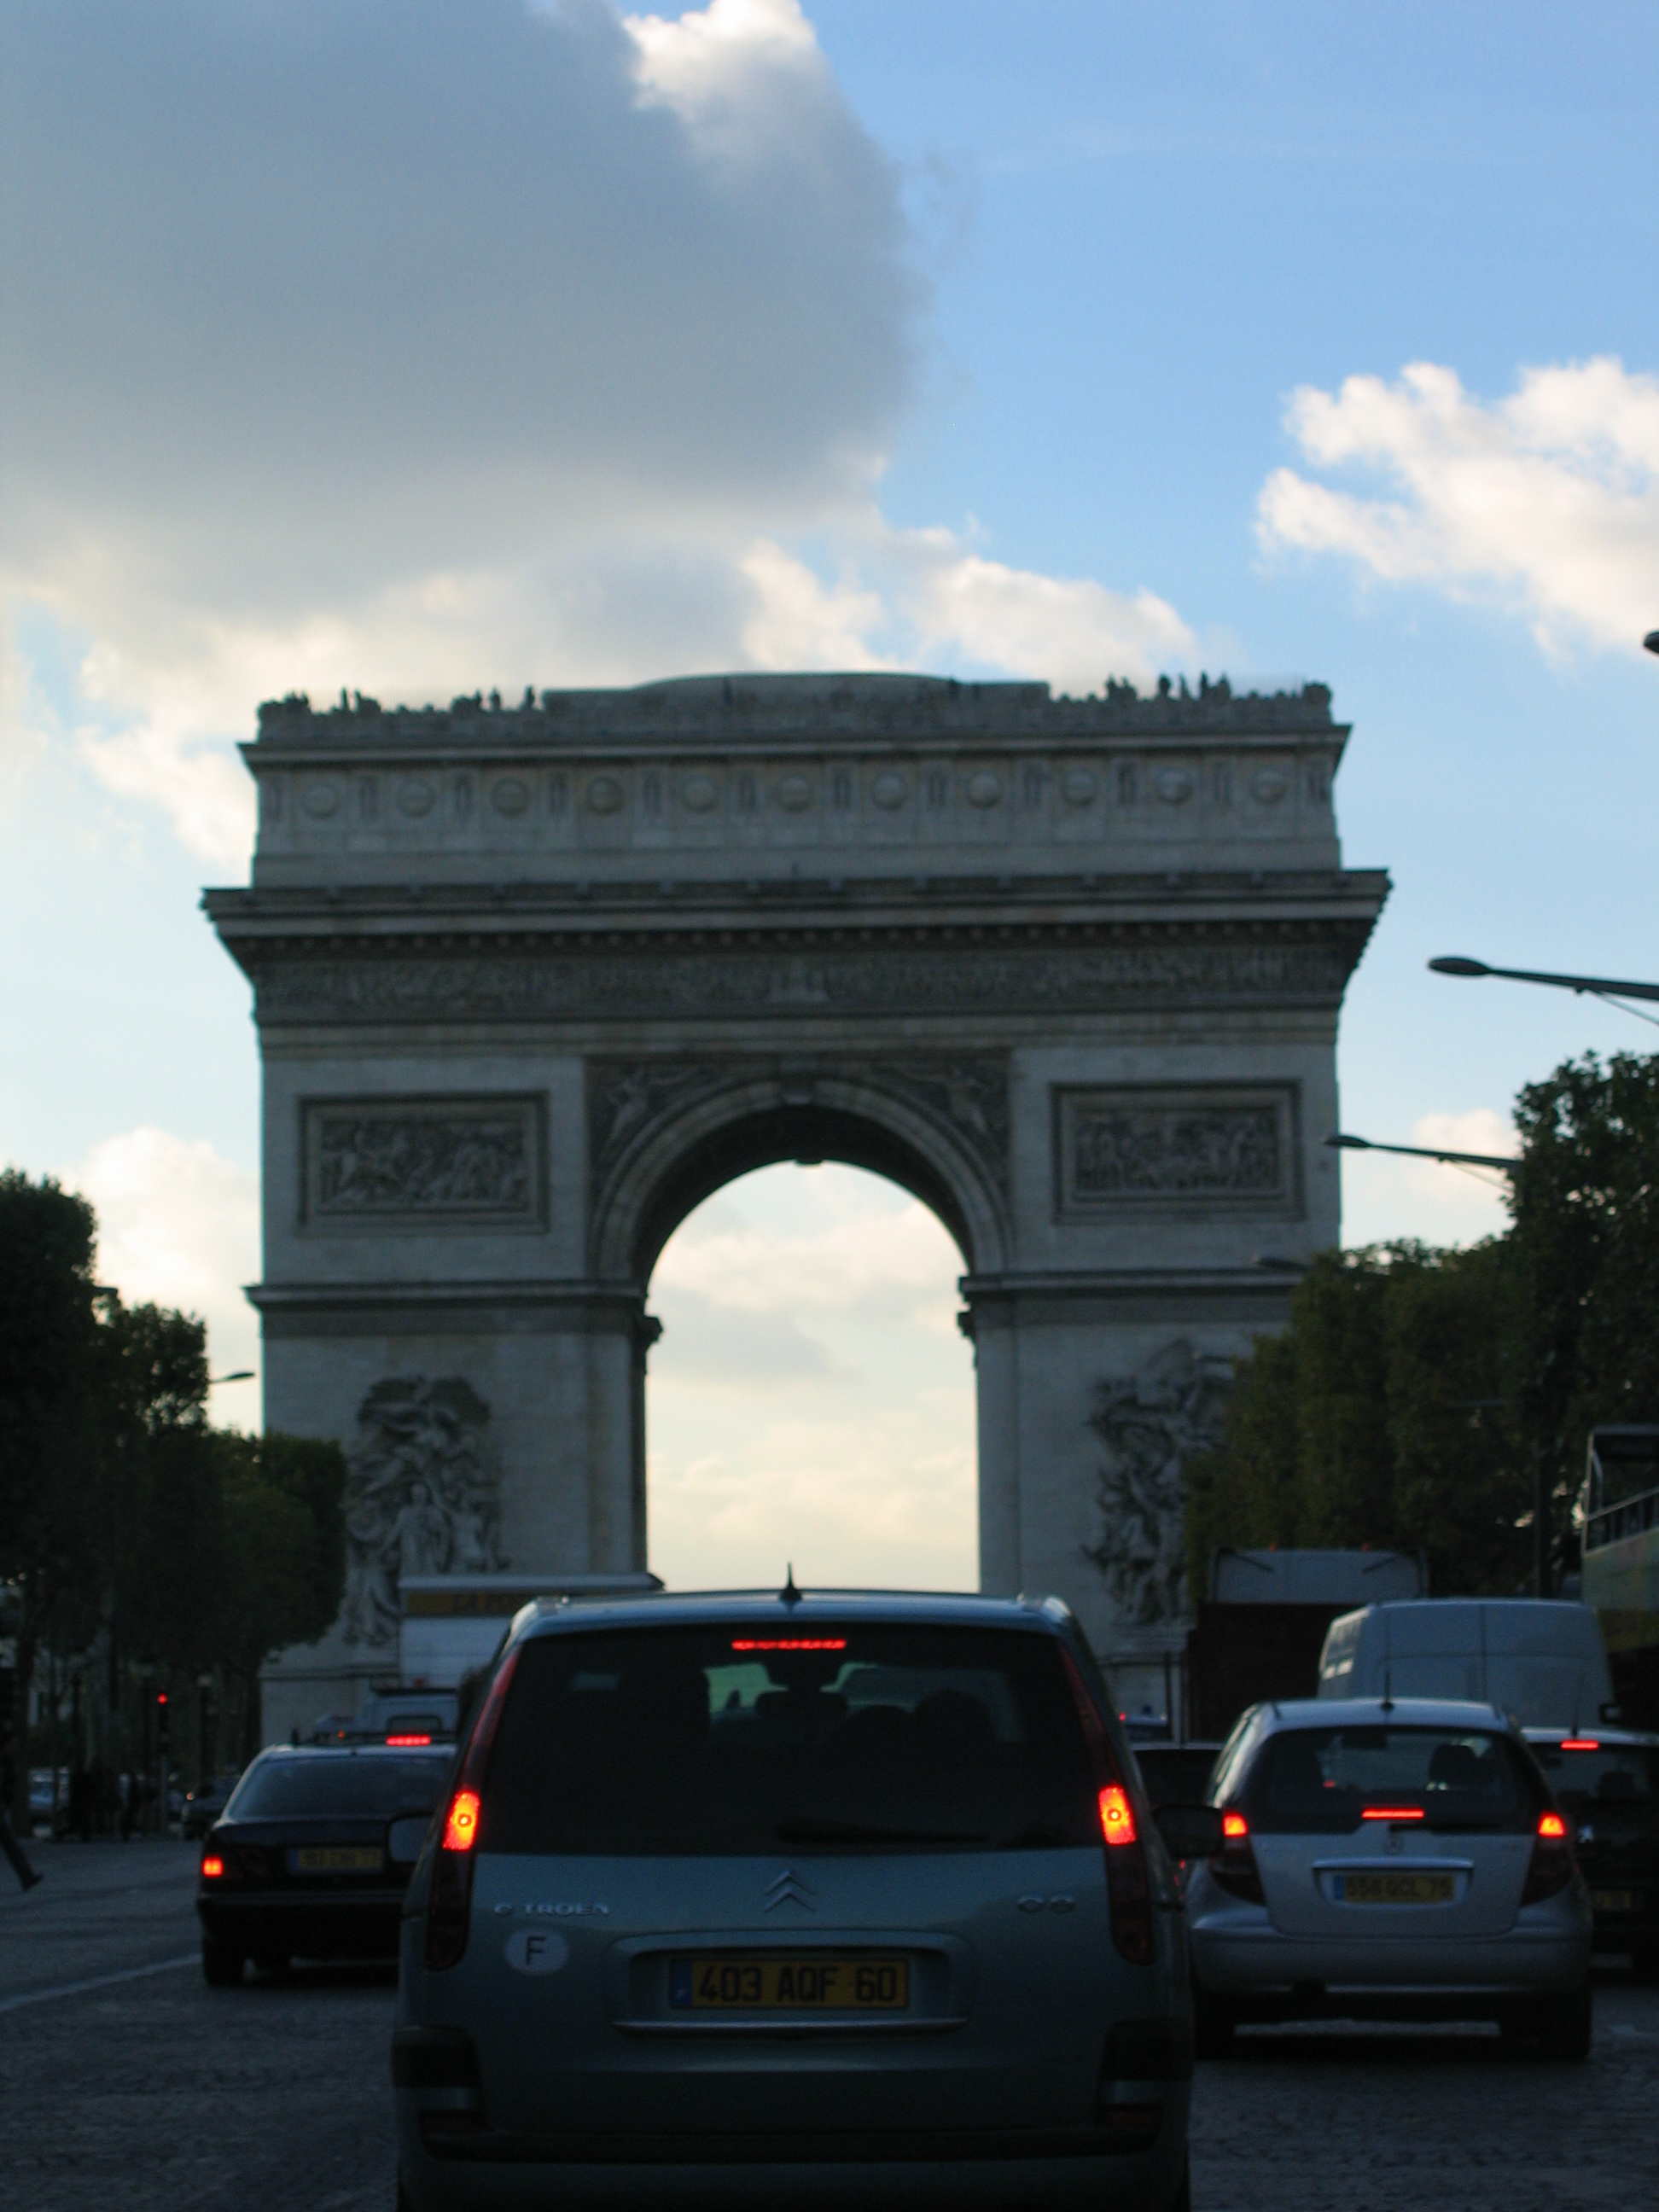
(1394, 2119)
(153, 2091)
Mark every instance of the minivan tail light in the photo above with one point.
(449, 1898)
(1129, 1890)
(1233, 1866)
(1117, 1819)
(1551, 1867)
(461, 1821)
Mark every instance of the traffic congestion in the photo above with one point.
(855, 1896)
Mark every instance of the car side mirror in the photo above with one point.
(1189, 1831)
(404, 1838)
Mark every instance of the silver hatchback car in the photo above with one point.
(1397, 1860)
(785, 1898)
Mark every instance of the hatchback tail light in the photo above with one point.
(1551, 1867)
(1128, 1890)
(1234, 1865)
(449, 1899)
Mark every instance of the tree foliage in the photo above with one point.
(1370, 1421)
(125, 1516)
(1363, 1423)
(1586, 1239)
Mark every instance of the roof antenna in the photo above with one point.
(789, 1594)
(1388, 1689)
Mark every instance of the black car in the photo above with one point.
(1606, 1782)
(203, 1805)
(1175, 1774)
(312, 1855)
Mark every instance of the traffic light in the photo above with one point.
(161, 1716)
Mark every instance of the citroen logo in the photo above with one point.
(788, 1889)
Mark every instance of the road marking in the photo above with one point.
(98, 1982)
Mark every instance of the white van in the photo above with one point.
(1540, 1659)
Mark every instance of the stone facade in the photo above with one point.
(532, 981)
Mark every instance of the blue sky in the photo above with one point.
(965, 336)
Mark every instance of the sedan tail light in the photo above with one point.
(1128, 1891)
(449, 1899)
(1551, 1867)
(1234, 1865)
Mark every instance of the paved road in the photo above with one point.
(154, 2092)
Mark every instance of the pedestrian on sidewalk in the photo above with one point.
(27, 1876)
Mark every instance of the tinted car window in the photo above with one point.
(279, 1787)
(722, 1740)
(1320, 1781)
(1612, 1774)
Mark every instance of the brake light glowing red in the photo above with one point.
(400, 1740)
(789, 1643)
(461, 1827)
(1581, 1743)
(1551, 1825)
(1392, 1813)
(1117, 1819)
(213, 1869)
(1234, 1824)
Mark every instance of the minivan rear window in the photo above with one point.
(1313, 1781)
(736, 1740)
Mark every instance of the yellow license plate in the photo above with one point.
(1614, 1901)
(1393, 1888)
(336, 1858)
(745, 1983)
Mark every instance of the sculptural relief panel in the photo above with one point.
(1132, 1149)
(1149, 1425)
(422, 1163)
(837, 977)
(422, 1497)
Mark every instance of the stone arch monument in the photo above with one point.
(532, 981)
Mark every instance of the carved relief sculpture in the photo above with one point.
(1132, 1149)
(458, 1161)
(1233, 1149)
(1150, 1425)
(422, 1497)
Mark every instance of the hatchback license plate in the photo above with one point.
(1615, 1900)
(751, 1984)
(336, 1858)
(1393, 1888)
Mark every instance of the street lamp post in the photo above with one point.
(1342, 1143)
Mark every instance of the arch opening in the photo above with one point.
(806, 1135)
(812, 1400)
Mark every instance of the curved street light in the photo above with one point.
(1599, 987)
(1508, 1161)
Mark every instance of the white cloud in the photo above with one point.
(864, 1258)
(412, 349)
(1548, 500)
(179, 1226)
(1385, 1197)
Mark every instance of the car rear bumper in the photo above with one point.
(305, 1928)
(504, 2174)
(1243, 1961)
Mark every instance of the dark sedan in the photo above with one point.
(312, 1855)
(1606, 1782)
(203, 1805)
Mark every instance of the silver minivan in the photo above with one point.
(784, 1899)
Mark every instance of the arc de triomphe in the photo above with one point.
(531, 981)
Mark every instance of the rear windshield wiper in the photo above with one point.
(858, 1831)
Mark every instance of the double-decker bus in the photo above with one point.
(1620, 1513)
